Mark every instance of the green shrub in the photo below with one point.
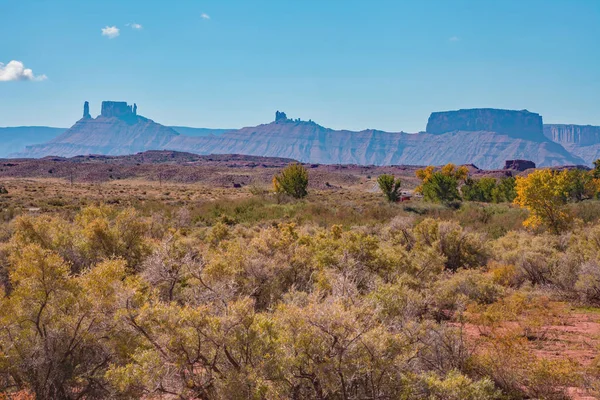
(293, 181)
(390, 187)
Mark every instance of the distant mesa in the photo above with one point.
(118, 109)
(519, 165)
(516, 124)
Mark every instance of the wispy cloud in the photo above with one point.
(205, 16)
(135, 26)
(16, 71)
(110, 32)
(454, 39)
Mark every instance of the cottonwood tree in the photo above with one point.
(544, 193)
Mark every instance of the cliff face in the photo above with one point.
(583, 135)
(515, 124)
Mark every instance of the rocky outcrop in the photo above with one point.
(516, 124)
(519, 165)
(86, 110)
(280, 116)
(118, 109)
(583, 135)
(116, 131)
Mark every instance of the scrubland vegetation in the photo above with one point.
(483, 289)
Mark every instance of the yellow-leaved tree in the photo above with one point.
(545, 193)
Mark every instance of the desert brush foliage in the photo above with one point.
(332, 296)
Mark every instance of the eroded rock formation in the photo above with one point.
(280, 116)
(86, 110)
(516, 124)
(519, 165)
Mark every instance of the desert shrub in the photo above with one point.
(465, 286)
(292, 180)
(3, 189)
(534, 256)
(171, 267)
(108, 233)
(505, 274)
(400, 231)
(588, 282)
(97, 233)
(54, 332)
(461, 249)
(399, 302)
(495, 220)
(456, 386)
(390, 187)
(520, 374)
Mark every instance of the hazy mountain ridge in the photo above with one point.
(456, 136)
(310, 142)
(14, 139)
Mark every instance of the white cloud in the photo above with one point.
(16, 71)
(205, 16)
(454, 39)
(135, 26)
(110, 31)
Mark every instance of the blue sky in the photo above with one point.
(344, 64)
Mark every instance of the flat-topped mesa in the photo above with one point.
(119, 109)
(280, 116)
(517, 124)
